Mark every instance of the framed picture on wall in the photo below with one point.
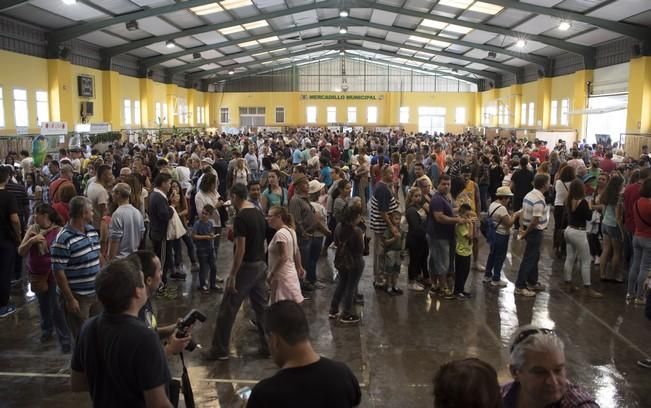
(86, 86)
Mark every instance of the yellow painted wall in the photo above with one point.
(23, 72)
(639, 99)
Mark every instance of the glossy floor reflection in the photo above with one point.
(394, 353)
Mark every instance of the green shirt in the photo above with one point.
(464, 243)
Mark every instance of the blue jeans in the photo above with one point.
(347, 286)
(496, 257)
(304, 248)
(640, 266)
(528, 272)
(314, 251)
(52, 317)
(207, 265)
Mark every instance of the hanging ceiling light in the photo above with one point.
(342, 30)
(564, 26)
(231, 72)
(69, 2)
(521, 43)
(342, 53)
(170, 44)
(343, 13)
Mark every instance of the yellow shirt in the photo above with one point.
(464, 243)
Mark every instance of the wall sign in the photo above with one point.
(344, 97)
(54, 128)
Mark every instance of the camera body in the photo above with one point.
(185, 323)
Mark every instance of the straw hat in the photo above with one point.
(504, 191)
(316, 186)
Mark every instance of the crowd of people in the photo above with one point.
(285, 200)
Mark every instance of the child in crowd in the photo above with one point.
(203, 236)
(393, 247)
(463, 252)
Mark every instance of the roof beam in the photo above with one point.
(121, 49)
(153, 61)
(282, 67)
(541, 61)
(6, 5)
(203, 74)
(625, 29)
(247, 53)
(586, 52)
(484, 74)
(493, 64)
(69, 33)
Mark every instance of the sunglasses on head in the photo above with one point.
(528, 333)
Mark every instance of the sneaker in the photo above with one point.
(204, 289)
(467, 295)
(217, 289)
(498, 284)
(415, 287)
(461, 296)
(524, 292)
(333, 314)
(487, 279)
(7, 310)
(538, 287)
(597, 260)
(390, 291)
(179, 276)
(479, 267)
(219, 280)
(349, 319)
(379, 284)
(212, 355)
(640, 301)
(646, 363)
(397, 291)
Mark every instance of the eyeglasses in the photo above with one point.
(528, 333)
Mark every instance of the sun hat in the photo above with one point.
(316, 186)
(504, 191)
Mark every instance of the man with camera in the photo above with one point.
(117, 358)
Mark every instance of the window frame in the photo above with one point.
(42, 105)
(279, 109)
(222, 111)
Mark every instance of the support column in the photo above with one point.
(638, 116)
(192, 120)
(111, 99)
(580, 101)
(61, 92)
(172, 119)
(515, 106)
(147, 110)
(543, 102)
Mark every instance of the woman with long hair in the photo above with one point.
(207, 194)
(35, 246)
(611, 227)
(416, 240)
(340, 196)
(576, 238)
(562, 189)
(274, 194)
(285, 270)
(595, 225)
(349, 239)
(641, 263)
(182, 209)
(361, 174)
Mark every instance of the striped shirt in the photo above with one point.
(382, 201)
(574, 397)
(534, 205)
(77, 255)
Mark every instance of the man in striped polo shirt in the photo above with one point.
(383, 203)
(75, 262)
(534, 220)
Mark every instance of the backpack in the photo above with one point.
(488, 227)
(343, 257)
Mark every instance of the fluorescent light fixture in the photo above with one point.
(256, 24)
(564, 26)
(268, 39)
(278, 50)
(231, 72)
(342, 30)
(458, 29)
(69, 2)
(441, 44)
(462, 4)
(343, 13)
(433, 24)
(231, 30)
(233, 4)
(260, 54)
(267, 62)
(486, 8)
(170, 44)
(248, 44)
(418, 39)
(521, 43)
(206, 9)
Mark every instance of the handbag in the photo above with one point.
(39, 282)
(175, 227)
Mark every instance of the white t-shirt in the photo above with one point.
(562, 190)
(321, 212)
(498, 211)
(98, 195)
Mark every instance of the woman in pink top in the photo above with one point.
(35, 246)
(285, 268)
(640, 269)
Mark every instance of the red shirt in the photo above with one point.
(642, 215)
(631, 195)
(607, 165)
(62, 209)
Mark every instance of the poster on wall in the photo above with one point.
(100, 128)
(54, 128)
(22, 130)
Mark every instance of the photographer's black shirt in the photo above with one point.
(324, 384)
(121, 358)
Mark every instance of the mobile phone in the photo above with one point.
(244, 393)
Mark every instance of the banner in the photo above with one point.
(100, 127)
(343, 97)
(54, 128)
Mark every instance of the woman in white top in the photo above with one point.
(566, 175)
(183, 175)
(208, 194)
(285, 270)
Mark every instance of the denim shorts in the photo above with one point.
(615, 233)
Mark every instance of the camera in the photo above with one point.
(183, 326)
